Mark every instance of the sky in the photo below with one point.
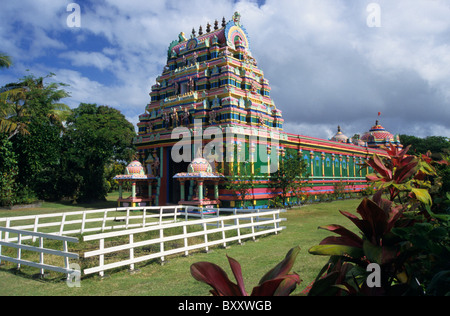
(328, 62)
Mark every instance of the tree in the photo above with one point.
(30, 99)
(241, 183)
(434, 144)
(31, 117)
(5, 61)
(290, 177)
(8, 172)
(95, 136)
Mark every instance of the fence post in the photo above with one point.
(61, 228)
(66, 259)
(1, 235)
(186, 252)
(205, 234)
(102, 256)
(253, 227)
(275, 225)
(223, 234)
(176, 213)
(144, 213)
(257, 218)
(238, 231)
(41, 254)
(19, 251)
(217, 215)
(7, 226)
(161, 244)
(127, 220)
(83, 223)
(35, 228)
(131, 252)
(104, 220)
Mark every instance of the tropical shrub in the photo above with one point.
(276, 282)
(401, 235)
(8, 172)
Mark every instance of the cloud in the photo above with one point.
(325, 66)
(88, 59)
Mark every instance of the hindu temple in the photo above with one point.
(211, 80)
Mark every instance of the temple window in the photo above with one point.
(183, 88)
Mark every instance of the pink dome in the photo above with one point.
(377, 134)
(135, 167)
(199, 165)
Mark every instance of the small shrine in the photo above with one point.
(202, 173)
(340, 137)
(141, 186)
(378, 137)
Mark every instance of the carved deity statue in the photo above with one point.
(174, 118)
(185, 116)
(212, 116)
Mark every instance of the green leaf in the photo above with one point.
(336, 250)
(324, 286)
(423, 196)
(372, 252)
(378, 254)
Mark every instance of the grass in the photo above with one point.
(173, 277)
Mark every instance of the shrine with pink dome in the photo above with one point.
(141, 186)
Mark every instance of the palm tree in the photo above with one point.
(19, 102)
(5, 61)
(14, 116)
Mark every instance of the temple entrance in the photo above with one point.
(173, 194)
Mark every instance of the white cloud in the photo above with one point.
(86, 59)
(326, 67)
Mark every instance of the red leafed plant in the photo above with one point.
(399, 172)
(276, 282)
(406, 180)
(376, 244)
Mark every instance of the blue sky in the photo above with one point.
(325, 65)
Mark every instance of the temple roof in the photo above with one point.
(378, 134)
(199, 168)
(134, 171)
(231, 33)
(339, 136)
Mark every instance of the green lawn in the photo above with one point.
(173, 278)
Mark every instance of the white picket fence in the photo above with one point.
(155, 232)
(41, 250)
(82, 222)
(250, 221)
